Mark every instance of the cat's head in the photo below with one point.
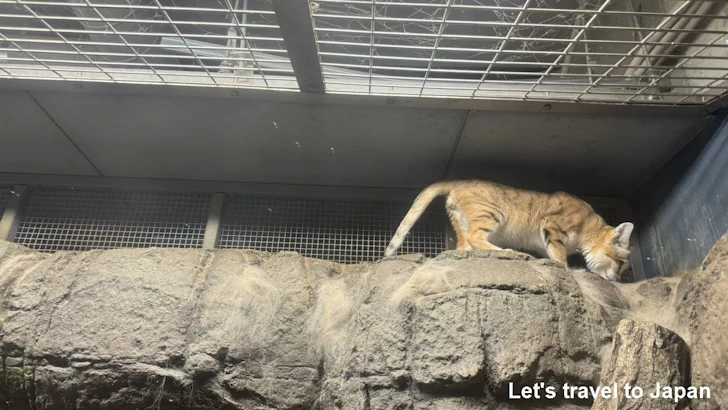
(609, 257)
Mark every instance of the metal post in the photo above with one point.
(214, 221)
(13, 213)
(450, 238)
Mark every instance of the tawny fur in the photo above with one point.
(487, 215)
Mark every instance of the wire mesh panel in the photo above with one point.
(617, 51)
(191, 42)
(339, 230)
(59, 219)
(575, 50)
(5, 193)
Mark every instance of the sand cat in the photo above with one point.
(486, 215)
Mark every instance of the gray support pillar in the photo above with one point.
(11, 217)
(214, 219)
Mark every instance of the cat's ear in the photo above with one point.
(622, 234)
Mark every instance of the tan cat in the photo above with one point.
(486, 215)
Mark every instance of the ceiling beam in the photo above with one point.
(297, 31)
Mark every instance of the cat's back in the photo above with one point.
(570, 211)
(520, 206)
(500, 195)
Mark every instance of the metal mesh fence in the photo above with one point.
(339, 230)
(611, 51)
(5, 193)
(573, 50)
(211, 43)
(69, 219)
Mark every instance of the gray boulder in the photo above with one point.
(648, 357)
(171, 328)
(238, 329)
(702, 305)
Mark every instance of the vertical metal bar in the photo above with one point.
(243, 30)
(214, 222)
(371, 45)
(445, 15)
(10, 220)
(450, 237)
(588, 58)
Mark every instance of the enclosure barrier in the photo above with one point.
(345, 230)
(606, 51)
(342, 230)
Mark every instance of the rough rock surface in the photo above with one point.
(644, 355)
(233, 329)
(702, 298)
(236, 329)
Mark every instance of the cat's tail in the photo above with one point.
(414, 213)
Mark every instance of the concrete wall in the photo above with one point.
(279, 139)
(683, 209)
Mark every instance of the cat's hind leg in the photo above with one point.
(479, 232)
(472, 233)
(459, 223)
(554, 240)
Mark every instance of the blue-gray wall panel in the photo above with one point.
(683, 209)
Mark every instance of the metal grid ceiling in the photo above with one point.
(340, 230)
(5, 193)
(574, 50)
(616, 51)
(198, 42)
(60, 220)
